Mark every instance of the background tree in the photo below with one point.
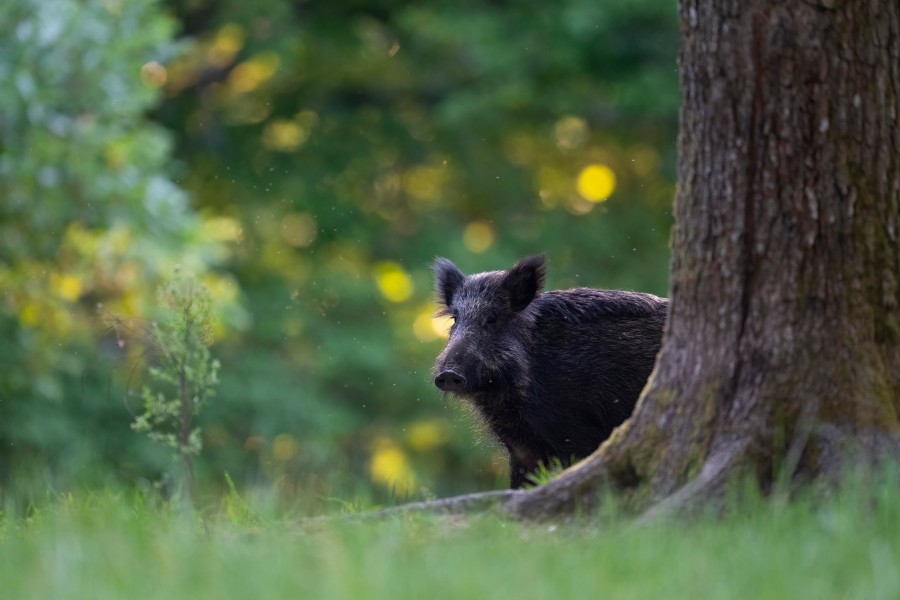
(781, 356)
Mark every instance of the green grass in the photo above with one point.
(103, 545)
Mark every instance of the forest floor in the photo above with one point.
(114, 545)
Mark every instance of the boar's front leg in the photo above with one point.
(522, 463)
(518, 473)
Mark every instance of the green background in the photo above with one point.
(306, 161)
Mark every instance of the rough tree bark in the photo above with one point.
(782, 348)
(781, 355)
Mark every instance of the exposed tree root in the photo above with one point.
(577, 489)
(455, 505)
(832, 452)
(707, 487)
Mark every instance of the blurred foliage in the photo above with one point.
(89, 214)
(326, 152)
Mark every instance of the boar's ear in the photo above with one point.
(447, 279)
(524, 281)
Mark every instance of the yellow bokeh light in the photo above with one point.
(441, 325)
(393, 282)
(154, 74)
(222, 289)
(227, 42)
(579, 206)
(390, 467)
(285, 447)
(298, 229)
(223, 229)
(251, 73)
(427, 435)
(424, 183)
(69, 287)
(478, 236)
(570, 132)
(596, 183)
(428, 327)
(422, 328)
(116, 154)
(554, 184)
(284, 135)
(30, 314)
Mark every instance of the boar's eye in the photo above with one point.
(490, 320)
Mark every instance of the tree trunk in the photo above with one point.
(782, 348)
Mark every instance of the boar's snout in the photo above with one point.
(449, 380)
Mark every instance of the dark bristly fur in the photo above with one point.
(551, 373)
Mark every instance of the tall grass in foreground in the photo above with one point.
(106, 545)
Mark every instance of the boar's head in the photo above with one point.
(487, 349)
